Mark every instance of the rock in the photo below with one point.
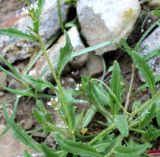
(79, 61)
(3, 79)
(68, 82)
(27, 123)
(93, 67)
(2, 93)
(105, 20)
(154, 3)
(18, 49)
(150, 44)
(50, 141)
(9, 146)
(41, 66)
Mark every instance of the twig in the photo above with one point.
(130, 87)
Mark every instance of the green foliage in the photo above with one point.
(116, 87)
(122, 125)
(131, 150)
(145, 70)
(77, 148)
(48, 151)
(65, 55)
(13, 32)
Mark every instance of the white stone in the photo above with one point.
(104, 20)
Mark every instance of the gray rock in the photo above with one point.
(41, 67)
(17, 49)
(79, 61)
(3, 79)
(105, 20)
(93, 67)
(50, 141)
(150, 44)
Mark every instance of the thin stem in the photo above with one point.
(102, 134)
(130, 88)
(60, 88)
(113, 95)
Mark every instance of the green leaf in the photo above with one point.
(19, 133)
(145, 70)
(151, 133)
(141, 64)
(77, 148)
(13, 32)
(131, 150)
(40, 4)
(158, 118)
(48, 151)
(156, 12)
(98, 97)
(38, 84)
(122, 125)
(116, 87)
(88, 116)
(92, 48)
(27, 92)
(65, 55)
(148, 115)
(26, 154)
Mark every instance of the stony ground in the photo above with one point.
(94, 22)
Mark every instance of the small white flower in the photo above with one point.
(31, 7)
(32, 72)
(56, 99)
(78, 87)
(49, 103)
(25, 11)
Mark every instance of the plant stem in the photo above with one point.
(130, 88)
(102, 134)
(60, 89)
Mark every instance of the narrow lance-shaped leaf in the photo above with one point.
(40, 5)
(65, 55)
(144, 70)
(148, 116)
(99, 98)
(19, 133)
(116, 87)
(77, 148)
(131, 150)
(48, 151)
(122, 125)
(13, 32)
